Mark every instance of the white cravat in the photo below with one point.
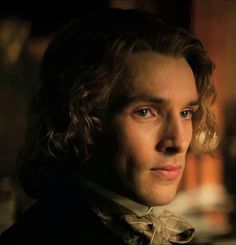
(162, 229)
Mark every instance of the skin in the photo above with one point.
(153, 130)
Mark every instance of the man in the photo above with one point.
(124, 97)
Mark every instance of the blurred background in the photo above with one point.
(207, 194)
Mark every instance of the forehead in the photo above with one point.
(155, 73)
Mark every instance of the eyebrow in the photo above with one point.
(125, 101)
(155, 100)
(145, 98)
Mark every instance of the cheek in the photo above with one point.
(135, 146)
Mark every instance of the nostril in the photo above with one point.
(171, 150)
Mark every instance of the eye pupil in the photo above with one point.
(142, 112)
(186, 114)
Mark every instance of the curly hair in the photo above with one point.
(84, 72)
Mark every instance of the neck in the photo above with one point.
(125, 202)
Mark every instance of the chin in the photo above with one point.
(159, 199)
(152, 201)
(163, 202)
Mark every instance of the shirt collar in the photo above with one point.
(127, 203)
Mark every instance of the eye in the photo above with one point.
(144, 113)
(187, 114)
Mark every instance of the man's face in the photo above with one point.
(153, 130)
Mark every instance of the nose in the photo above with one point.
(175, 137)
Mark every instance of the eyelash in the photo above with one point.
(143, 113)
(188, 117)
(139, 112)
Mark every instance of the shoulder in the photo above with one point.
(64, 219)
(34, 227)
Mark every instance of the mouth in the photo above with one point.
(168, 172)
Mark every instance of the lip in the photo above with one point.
(169, 172)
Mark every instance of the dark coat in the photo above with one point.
(64, 217)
